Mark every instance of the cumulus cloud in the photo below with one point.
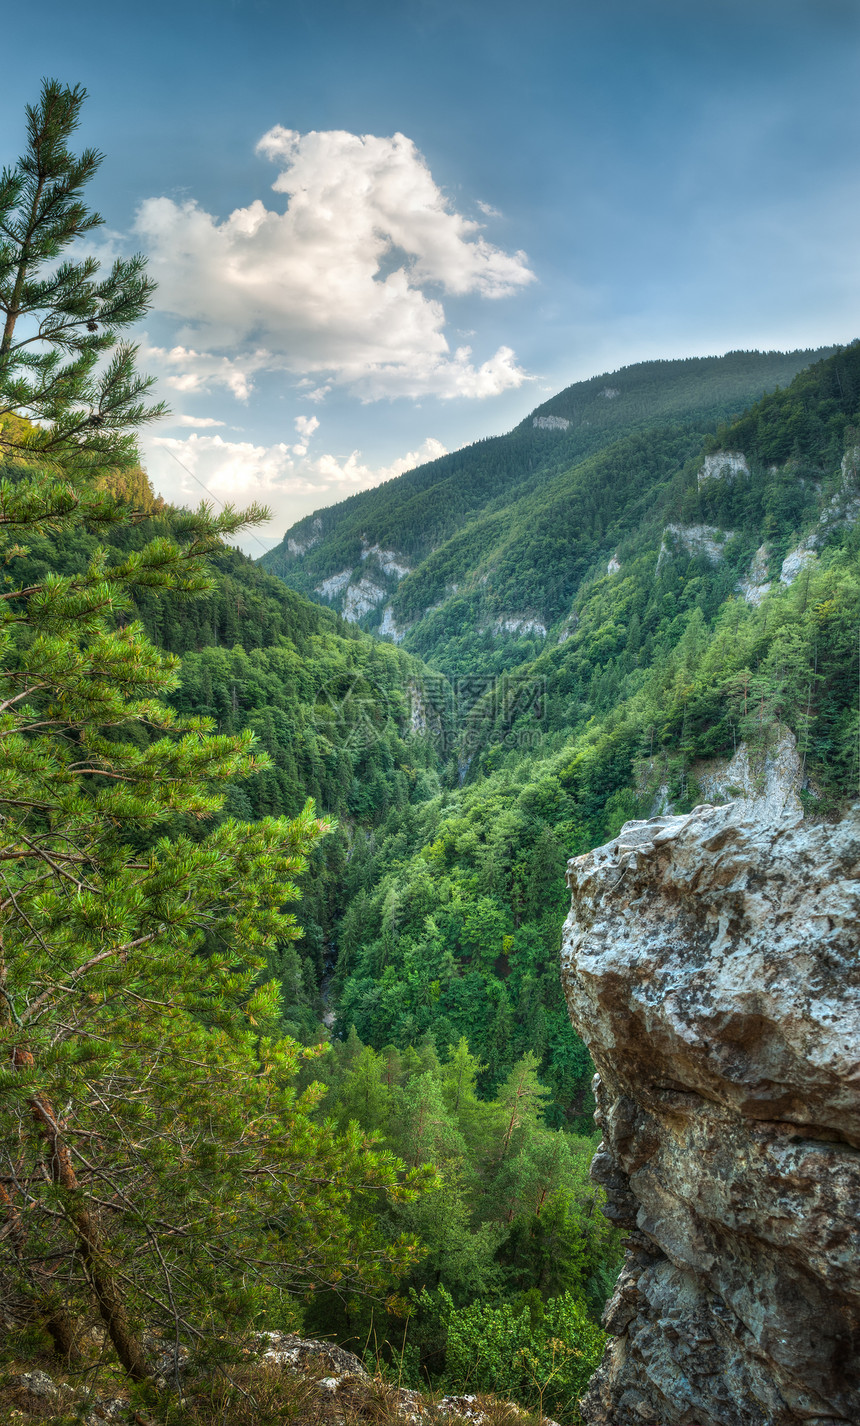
(189, 469)
(444, 377)
(346, 283)
(305, 425)
(185, 370)
(198, 421)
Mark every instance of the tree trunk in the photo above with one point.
(58, 1323)
(90, 1249)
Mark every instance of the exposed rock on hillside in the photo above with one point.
(755, 583)
(360, 598)
(389, 627)
(300, 547)
(390, 562)
(335, 584)
(711, 963)
(520, 624)
(840, 511)
(794, 562)
(723, 465)
(768, 783)
(569, 628)
(696, 540)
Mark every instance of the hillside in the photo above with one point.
(727, 626)
(335, 710)
(755, 533)
(695, 636)
(471, 559)
(720, 626)
(717, 643)
(501, 1145)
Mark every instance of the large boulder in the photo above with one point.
(710, 961)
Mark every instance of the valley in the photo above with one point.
(608, 637)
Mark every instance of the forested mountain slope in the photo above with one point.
(725, 619)
(508, 1217)
(707, 597)
(726, 625)
(334, 709)
(470, 559)
(758, 533)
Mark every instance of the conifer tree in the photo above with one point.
(61, 318)
(157, 1165)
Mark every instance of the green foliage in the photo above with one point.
(330, 708)
(512, 1222)
(452, 929)
(542, 1358)
(510, 527)
(161, 1057)
(159, 1165)
(60, 319)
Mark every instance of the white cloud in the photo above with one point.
(488, 210)
(184, 369)
(198, 421)
(186, 470)
(346, 283)
(305, 425)
(446, 378)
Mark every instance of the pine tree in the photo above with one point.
(157, 1165)
(61, 319)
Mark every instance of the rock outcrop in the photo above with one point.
(711, 963)
(705, 540)
(520, 624)
(769, 782)
(796, 561)
(361, 596)
(338, 1391)
(389, 627)
(755, 584)
(723, 465)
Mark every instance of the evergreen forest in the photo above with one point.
(282, 898)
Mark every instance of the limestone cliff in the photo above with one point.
(711, 963)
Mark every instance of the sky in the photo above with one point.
(382, 229)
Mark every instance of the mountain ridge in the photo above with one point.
(393, 557)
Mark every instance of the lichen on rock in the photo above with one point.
(710, 961)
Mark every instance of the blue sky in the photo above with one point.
(575, 187)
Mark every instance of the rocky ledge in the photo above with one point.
(710, 961)
(305, 1381)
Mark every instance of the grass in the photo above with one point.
(255, 1392)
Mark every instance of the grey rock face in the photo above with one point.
(705, 540)
(288, 1350)
(710, 961)
(723, 465)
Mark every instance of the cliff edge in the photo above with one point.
(710, 961)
